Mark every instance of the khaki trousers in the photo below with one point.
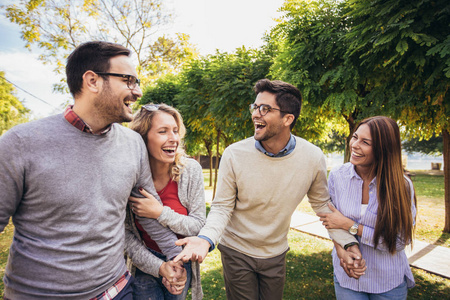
(253, 278)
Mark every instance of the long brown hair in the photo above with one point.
(142, 123)
(394, 216)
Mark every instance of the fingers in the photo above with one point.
(181, 242)
(174, 289)
(144, 192)
(331, 206)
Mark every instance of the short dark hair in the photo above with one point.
(93, 56)
(287, 96)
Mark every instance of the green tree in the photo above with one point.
(311, 46)
(405, 46)
(56, 27)
(431, 146)
(221, 87)
(12, 111)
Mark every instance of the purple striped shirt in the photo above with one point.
(385, 271)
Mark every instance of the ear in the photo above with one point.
(288, 119)
(92, 82)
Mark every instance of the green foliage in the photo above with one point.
(12, 111)
(405, 45)
(312, 57)
(431, 146)
(216, 91)
(169, 55)
(163, 90)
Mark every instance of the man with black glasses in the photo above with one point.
(261, 181)
(66, 179)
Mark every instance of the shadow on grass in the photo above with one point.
(308, 276)
(442, 239)
(428, 286)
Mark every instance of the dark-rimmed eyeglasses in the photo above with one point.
(132, 81)
(264, 109)
(151, 107)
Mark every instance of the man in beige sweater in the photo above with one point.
(262, 180)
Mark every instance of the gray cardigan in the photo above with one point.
(192, 196)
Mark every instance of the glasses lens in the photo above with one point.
(151, 107)
(264, 109)
(252, 108)
(131, 82)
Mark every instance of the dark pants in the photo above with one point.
(127, 292)
(253, 278)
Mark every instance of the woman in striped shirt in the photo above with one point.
(375, 201)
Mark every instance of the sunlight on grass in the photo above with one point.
(309, 273)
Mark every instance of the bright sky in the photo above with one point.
(211, 24)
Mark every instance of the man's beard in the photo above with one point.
(110, 107)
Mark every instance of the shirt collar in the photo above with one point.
(78, 123)
(354, 174)
(290, 146)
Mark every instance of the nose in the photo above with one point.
(137, 91)
(173, 136)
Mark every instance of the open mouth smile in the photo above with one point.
(169, 150)
(259, 125)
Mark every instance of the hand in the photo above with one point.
(351, 260)
(175, 285)
(335, 220)
(148, 207)
(174, 289)
(195, 249)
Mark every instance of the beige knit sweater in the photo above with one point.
(257, 195)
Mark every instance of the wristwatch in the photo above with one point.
(354, 229)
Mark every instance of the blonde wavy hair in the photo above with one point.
(142, 123)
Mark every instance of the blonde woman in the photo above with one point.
(179, 183)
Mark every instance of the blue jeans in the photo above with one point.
(146, 286)
(398, 293)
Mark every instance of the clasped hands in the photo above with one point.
(351, 259)
(174, 276)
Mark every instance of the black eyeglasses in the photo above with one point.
(151, 107)
(131, 80)
(264, 109)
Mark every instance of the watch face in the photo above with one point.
(354, 229)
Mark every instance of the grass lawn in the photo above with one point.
(309, 273)
(309, 268)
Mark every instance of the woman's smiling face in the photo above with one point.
(163, 138)
(361, 147)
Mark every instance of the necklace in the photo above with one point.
(164, 188)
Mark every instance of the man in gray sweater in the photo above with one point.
(66, 179)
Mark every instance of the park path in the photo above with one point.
(431, 258)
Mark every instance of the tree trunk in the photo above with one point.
(210, 167)
(351, 128)
(446, 154)
(217, 162)
(210, 155)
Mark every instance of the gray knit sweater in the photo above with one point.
(67, 191)
(192, 196)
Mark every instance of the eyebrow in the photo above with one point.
(363, 139)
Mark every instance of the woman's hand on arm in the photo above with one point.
(148, 207)
(335, 219)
